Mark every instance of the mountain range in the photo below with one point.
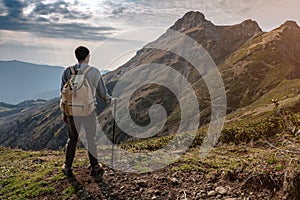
(256, 67)
(20, 81)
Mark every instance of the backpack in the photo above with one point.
(77, 97)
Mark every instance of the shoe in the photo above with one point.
(96, 171)
(67, 170)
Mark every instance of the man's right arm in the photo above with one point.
(63, 82)
(63, 79)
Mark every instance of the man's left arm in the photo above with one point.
(101, 89)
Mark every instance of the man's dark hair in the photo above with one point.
(81, 53)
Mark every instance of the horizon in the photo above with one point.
(43, 32)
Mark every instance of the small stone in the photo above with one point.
(202, 191)
(203, 195)
(142, 183)
(218, 196)
(211, 193)
(111, 174)
(38, 161)
(231, 199)
(174, 181)
(209, 186)
(221, 190)
(155, 176)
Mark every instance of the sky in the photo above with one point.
(48, 31)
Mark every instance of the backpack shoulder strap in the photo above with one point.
(86, 70)
(73, 72)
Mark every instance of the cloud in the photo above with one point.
(14, 7)
(56, 19)
(118, 10)
(59, 22)
(61, 8)
(157, 13)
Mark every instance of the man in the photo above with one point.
(95, 81)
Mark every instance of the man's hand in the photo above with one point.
(65, 118)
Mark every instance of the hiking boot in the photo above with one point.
(96, 171)
(67, 170)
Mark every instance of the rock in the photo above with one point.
(203, 195)
(174, 181)
(218, 196)
(156, 176)
(202, 191)
(211, 193)
(221, 190)
(142, 183)
(231, 199)
(38, 161)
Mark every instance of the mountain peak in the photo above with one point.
(191, 19)
(290, 23)
(250, 22)
(194, 14)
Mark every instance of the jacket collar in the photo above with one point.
(81, 66)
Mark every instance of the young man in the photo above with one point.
(95, 81)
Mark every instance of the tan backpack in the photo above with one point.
(77, 97)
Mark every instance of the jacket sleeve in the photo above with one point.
(101, 89)
(63, 82)
(63, 79)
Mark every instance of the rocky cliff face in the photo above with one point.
(219, 41)
(254, 65)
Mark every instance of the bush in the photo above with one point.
(252, 131)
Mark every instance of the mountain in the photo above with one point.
(246, 90)
(219, 41)
(34, 127)
(8, 109)
(265, 68)
(21, 81)
(256, 67)
(103, 72)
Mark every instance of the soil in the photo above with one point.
(168, 184)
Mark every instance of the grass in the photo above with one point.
(231, 161)
(32, 174)
(23, 175)
(69, 191)
(241, 150)
(235, 132)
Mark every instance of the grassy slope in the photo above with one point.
(260, 69)
(243, 159)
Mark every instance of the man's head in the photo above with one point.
(82, 54)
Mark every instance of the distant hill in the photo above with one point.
(9, 109)
(33, 125)
(103, 72)
(21, 81)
